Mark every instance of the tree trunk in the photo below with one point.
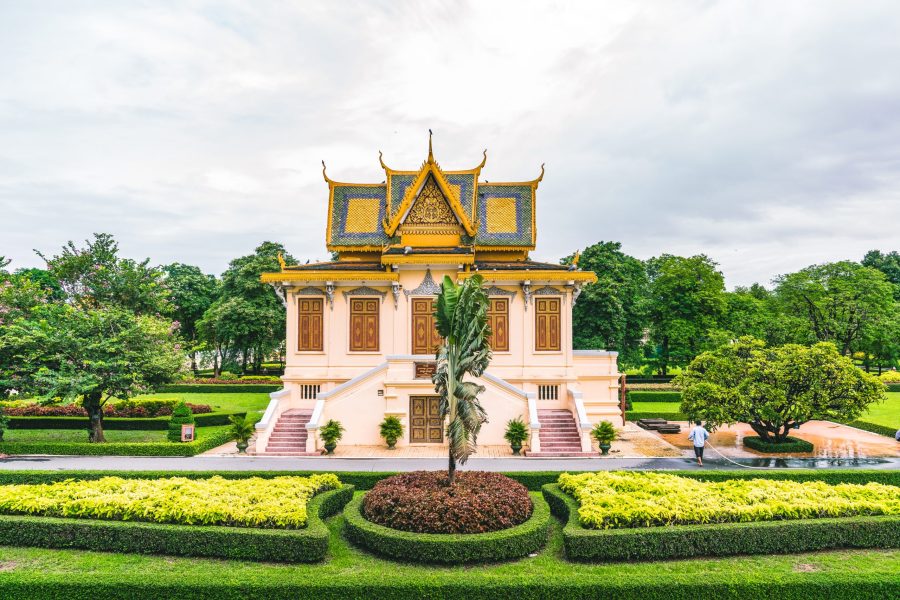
(761, 431)
(216, 369)
(451, 469)
(93, 405)
(193, 356)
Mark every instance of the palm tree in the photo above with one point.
(461, 319)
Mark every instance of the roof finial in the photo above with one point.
(541, 177)
(383, 166)
(323, 173)
(281, 260)
(430, 153)
(483, 161)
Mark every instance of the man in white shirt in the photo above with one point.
(698, 436)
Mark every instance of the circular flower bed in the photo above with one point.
(422, 502)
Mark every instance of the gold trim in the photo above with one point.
(339, 248)
(428, 168)
(329, 276)
(428, 259)
(522, 248)
(561, 275)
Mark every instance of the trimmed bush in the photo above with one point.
(874, 428)
(790, 444)
(279, 502)
(207, 439)
(689, 541)
(505, 544)
(422, 502)
(130, 424)
(181, 415)
(236, 543)
(893, 387)
(648, 396)
(127, 409)
(227, 388)
(623, 499)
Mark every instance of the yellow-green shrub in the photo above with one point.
(254, 502)
(623, 499)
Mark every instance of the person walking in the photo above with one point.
(698, 436)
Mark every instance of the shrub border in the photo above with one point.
(118, 423)
(511, 543)
(719, 539)
(309, 544)
(219, 388)
(791, 444)
(634, 415)
(533, 480)
(202, 444)
(873, 428)
(653, 396)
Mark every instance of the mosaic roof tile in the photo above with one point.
(505, 215)
(357, 215)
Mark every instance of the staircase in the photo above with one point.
(289, 436)
(559, 435)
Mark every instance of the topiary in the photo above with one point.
(181, 415)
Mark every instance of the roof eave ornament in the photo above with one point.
(540, 177)
(483, 161)
(430, 152)
(324, 175)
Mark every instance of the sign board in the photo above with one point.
(187, 432)
(424, 370)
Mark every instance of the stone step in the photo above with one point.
(555, 454)
(293, 453)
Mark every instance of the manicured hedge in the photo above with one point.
(892, 387)
(230, 388)
(642, 396)
(791, 444)
(721, 539)
(116, 423)
(206, 440)
(874, 428)
(239, 543)
(637, 415)
(533, 480)
(514, 542)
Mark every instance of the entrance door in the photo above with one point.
(426, 424)
(425, 338)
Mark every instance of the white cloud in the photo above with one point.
(763, 134)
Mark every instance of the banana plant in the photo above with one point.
(461, 320)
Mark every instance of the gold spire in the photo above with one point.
(430, 153)
(281, 260)
(327, 180)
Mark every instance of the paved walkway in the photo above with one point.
(273, 463)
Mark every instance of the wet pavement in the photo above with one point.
(831, 441)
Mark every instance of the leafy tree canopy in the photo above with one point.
(837, 302)
(611, 313)
(888, 263)
(96, 277)
(775, 388)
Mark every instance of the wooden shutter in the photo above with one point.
(546, 324)
(309, 324)
(425, 338)
(364, 325)
(498, 320)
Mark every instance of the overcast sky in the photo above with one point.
(764, 134)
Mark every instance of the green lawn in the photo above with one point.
(885, 413)
(131, 575)
(80, 435)
(222, 402)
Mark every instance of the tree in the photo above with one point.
(889, 264)
(226, 327)
(94, 353)
(95, 277)
(611, 313)
(687, 300)
(774, 389)
(45, 280)
(837, 302)
(193, 292)
(461, 320)
(265, 331)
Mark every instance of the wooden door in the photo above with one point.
(426, 424)
(498, 320)
(309, 324)
(546, 324)
(425, 338)
(364, 325)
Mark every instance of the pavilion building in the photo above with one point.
(361, 339)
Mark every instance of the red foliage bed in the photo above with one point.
(422, 502)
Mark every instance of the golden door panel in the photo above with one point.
(309, 325)
(547, 324)
(425, 423)
(425, 338)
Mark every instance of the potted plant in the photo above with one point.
(516, 433)
(241, 430)
(604, 433)
(391, 430)
(330, 434)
